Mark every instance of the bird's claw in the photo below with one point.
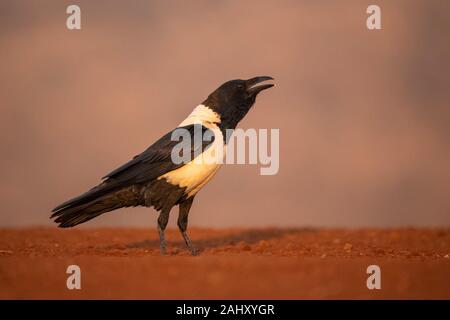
(194, 251)
(163, 248)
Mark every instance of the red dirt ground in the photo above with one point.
(233, 264)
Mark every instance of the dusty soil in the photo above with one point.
(233, 263)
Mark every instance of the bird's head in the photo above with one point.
(234, 98)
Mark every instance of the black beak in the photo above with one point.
(254, 90)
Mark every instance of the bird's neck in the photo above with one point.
(230, 112)
(231, 116)
(226, 119)
(202, 115)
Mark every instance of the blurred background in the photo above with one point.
(364, 116)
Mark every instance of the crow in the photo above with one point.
(152, 178)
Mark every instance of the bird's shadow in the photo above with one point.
(247, 236)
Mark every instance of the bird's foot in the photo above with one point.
(194, 251)
(162, 241)
(191, 248)
(163, 248)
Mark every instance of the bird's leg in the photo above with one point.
(162, 224)
(185, 206)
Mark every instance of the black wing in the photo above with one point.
(156, 160)
(153, 162)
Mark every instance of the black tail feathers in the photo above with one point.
(93, 203)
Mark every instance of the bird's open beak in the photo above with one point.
(254, 90)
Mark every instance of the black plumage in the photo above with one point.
(153, 179)
(132, 184)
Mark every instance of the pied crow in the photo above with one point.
(152, 178)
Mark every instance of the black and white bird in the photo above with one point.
(153, 179)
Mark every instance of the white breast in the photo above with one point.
(195, 174)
